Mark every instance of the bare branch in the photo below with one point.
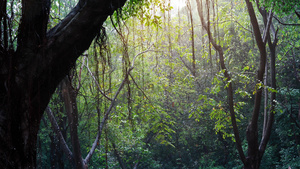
(79, 76)
(112, 104)
(231, 20)
(142, 91)
(267, 29)
(88, 157)
(298, 14)
(286, 24)
(243, 26)
(185, 64)
(148, 50)
(57, 131)
(97, 84)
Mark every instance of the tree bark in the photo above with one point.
(192, 37)
(69, 97)
(29, 75)
(256, 150)
(270, 118)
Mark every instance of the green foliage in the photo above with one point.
(166, 117)
(281, 7)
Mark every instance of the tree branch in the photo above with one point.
(79, 76)
(106, 117)
(52, 59)
(267, 28)
(97, 84)
(112, 104)
(117, 154)
(270, 120)
(286, 24)
(61, 139)
(298, 14)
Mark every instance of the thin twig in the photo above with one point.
(142, 91)
(79, 76)
(97, 83)
(286, 24)
(148, 50)
(112, 104)
(105, 118)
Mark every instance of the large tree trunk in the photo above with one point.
(29, 75)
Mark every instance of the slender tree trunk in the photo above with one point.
(192, 36)
(265, 99)
(219, 49)
(117, 154)
(69, 97)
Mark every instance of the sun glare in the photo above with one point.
(177, 3)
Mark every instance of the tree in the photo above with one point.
(31, 69)
(255, 149)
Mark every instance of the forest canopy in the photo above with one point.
(150, 84)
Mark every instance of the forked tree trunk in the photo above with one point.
(255, 149)
(29, 75)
